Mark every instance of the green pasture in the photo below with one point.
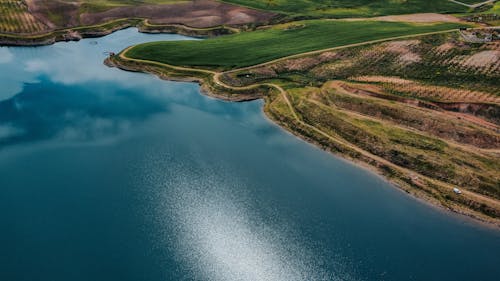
(352, 8)
(250, 48)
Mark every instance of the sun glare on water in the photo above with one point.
(218, 237)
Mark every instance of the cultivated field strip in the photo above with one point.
(15, 18)
(429, 92)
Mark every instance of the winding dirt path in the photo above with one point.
(339, 48)
(473, 6)
(475, 196)
(336, 139)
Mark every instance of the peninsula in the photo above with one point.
(408, 89)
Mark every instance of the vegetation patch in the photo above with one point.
(349, 8)
(250, 48)
(15, 18)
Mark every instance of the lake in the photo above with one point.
(113, 175)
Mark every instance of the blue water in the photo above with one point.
(111, 175)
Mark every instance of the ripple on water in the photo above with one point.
(218, 237)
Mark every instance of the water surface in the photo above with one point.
(112, 175)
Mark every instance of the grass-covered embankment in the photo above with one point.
(250, 48)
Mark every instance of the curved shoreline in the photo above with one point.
(78, 33)
(212, 86)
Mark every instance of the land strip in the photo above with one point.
(64, 21)
(283, 40)
(55, 20)
(347, 9)
(229, 85)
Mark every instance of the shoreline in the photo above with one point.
(414, 191)
(252, 93)
(100, 30)
(464, 217)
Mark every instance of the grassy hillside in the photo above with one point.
(350, 8)
(260, 46)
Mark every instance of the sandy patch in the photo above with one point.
(400, 47)
(444, 48)
(419, 18)
(404, 50)
(482, 59)
(264, 71)
(382, 79)
(409, 58)
(327, 56)
(300, 64)
(239, 16)
(416, 18)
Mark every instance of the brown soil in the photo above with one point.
(67, 11)
(445, 48)
(483, 59)
(382, 79)
(422, 18)
(431, 92)
(460, 110)
(404, 50)
(400, 47)
(203, 13)
(417, 18)
(299, 64)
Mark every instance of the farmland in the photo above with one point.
(26, 19)
(282, 40)
(421, 110)
(405, 94)
(15, 18)
(429, 104)
(345, 8)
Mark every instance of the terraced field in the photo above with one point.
(402, 100)
(15, 18)
(442, 59)
(22, 22)
(429, 92)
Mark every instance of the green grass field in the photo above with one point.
(351, 8)
(251, 48)
(495, 9)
